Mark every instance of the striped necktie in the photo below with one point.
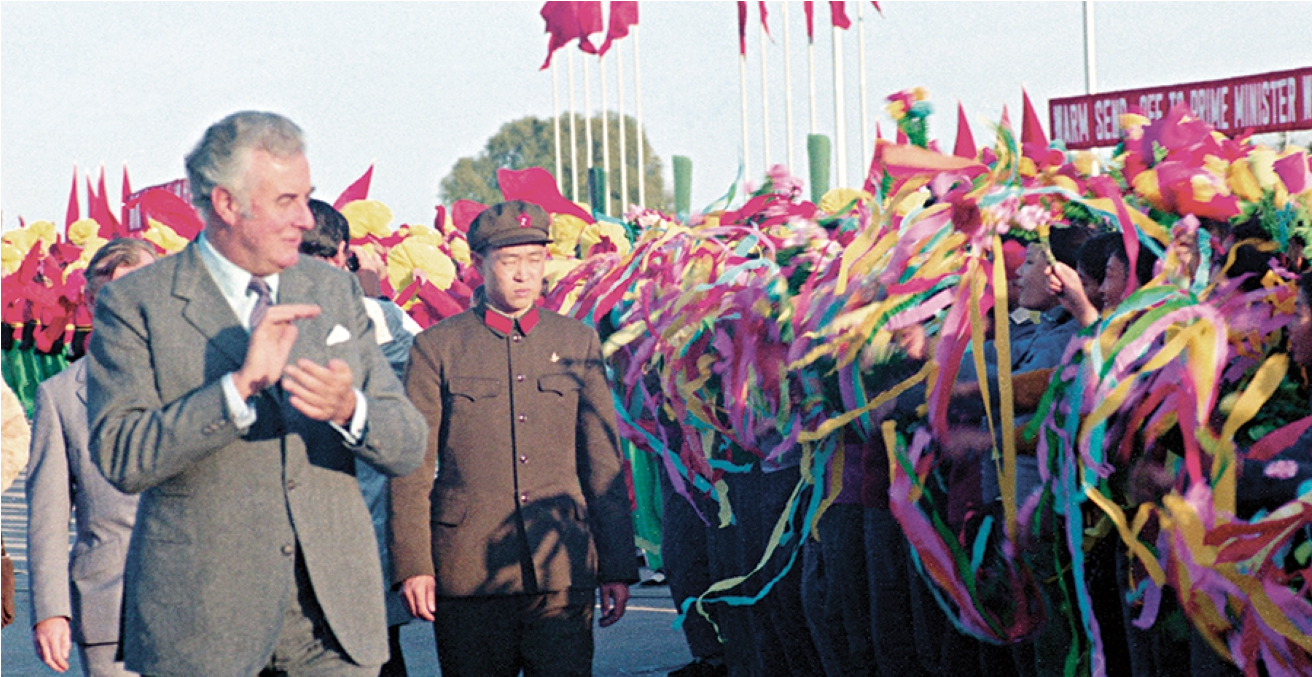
(262, 300)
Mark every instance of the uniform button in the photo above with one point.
(519, 378)
(523, 498)
(515, 338)
(291, 484)
(523, 459)
(522, 418)
(288, 550)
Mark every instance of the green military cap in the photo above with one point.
(509, 223)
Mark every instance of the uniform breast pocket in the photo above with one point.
(473, 388)
(565, 385)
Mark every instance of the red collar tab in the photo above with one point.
(505, 325)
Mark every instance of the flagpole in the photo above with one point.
(605, 131)
(765, 100)
(840, 130)
(624, 141)
(587, 113)
(1090, 52)
(573, 133)
(742, 82)
(810, 66)
(637, 86)
(861, 70)
(555, 124)
(788, 90)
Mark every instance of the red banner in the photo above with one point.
(1270, 102)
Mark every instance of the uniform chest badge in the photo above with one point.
(555, 357)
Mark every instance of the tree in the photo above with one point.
(530, 142)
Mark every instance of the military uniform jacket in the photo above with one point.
(210, 565)
(522, 488)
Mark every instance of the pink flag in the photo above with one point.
(877, 9)
(589, 16)
(163, 205)
(74, 209)
(359, 190)
(568, 21)
(742, 28)
(463, 213)
(127, 185)
(764, 13)
(536, 185)
(838, 13)
(1031, 129)
(622, 16)
(98, 208)
(965, 140)
(809, 8)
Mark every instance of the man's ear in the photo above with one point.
(339, 259)
(226, 205)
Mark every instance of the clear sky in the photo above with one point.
(415, 86)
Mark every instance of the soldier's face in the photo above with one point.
(512, 277)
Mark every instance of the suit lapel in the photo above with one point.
(295, 286)
(80, 381)
(206, 308)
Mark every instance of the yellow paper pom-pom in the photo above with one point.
(1261, 161)
(415, 254)
(1239, 176)
(368, 217)
(1086, 163)
(10, 258)
(44, 230)
(565, 231)
(423, 234)
(22, 240)
(82, 230)
(1145, 184)
(459, 247)
(591, 236)
(838, 199)
(164, 236)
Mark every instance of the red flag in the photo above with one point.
(74, 209)
(838, 13)
(536, 185)
(1031, 130)
(98, 208)
(589, 18)
(127, 186)
(568, 21)
(877, 9)
(622, 16)
(965, 140)
(463, 213)
(742, 28)
(163, 205)
(358, 190)
(809, 8)
(764, 13)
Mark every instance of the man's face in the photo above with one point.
(1114, 281)
(512, 276)
(1034, 293)
(265, 218)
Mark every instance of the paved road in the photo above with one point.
(643, 643)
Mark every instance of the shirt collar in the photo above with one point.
(504, 324)
(231, 278)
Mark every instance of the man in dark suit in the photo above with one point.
(76, 599)
(529, 513)
(240, 421)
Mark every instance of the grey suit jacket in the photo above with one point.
(61, 478)
(211, 563)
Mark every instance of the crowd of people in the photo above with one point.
(975, 419)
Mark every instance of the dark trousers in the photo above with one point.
(836, 592)
(545, 635)
(685, 552)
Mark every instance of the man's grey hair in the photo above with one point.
(223, 154)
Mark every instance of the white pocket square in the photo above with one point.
(338, 335)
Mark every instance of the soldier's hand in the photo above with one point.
(270, 344)
(614, 597)
(420, 595)
(321, 393)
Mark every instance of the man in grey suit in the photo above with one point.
(240, 421)
(76, 599)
